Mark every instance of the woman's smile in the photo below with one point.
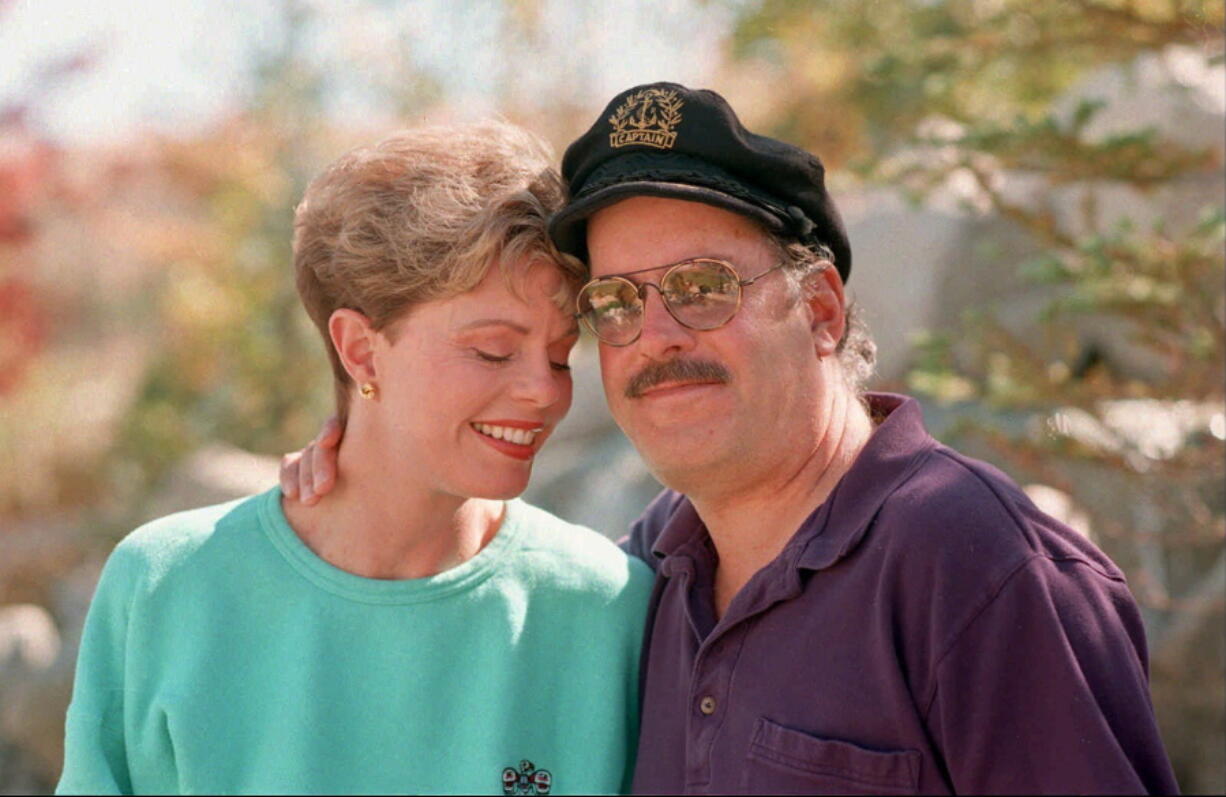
(513, 438)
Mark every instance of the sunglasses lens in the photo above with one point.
(703, 294)
(612, 310)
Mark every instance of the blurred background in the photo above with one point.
(1033, 188)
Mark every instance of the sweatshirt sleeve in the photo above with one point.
(95, 751)
(1046, 690)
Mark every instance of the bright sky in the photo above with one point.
(176, 64)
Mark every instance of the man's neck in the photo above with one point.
(750, 527)
(377, 523)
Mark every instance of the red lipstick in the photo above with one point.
(514, 450)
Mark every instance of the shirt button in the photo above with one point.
(707, 705)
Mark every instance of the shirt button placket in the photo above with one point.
(712, 674)
(701, 725)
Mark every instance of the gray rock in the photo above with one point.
(213, 475)
(29, 639)
(35, 686)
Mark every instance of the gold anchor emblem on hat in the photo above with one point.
(647, 117)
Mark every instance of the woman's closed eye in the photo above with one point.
(495, 358)
(491, 358)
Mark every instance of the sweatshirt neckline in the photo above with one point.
(332, 579)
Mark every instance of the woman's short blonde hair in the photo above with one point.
(424, 215)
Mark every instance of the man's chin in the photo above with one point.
(677, 464)
(689, 477)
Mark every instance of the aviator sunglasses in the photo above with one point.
(703, 294)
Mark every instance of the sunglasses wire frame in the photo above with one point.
(640, 291)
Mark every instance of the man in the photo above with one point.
(842, 604)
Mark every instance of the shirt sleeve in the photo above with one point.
(1046, 690)
(95, 752)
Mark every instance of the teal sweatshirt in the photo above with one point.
(221, 655)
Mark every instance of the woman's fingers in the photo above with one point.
(330, 433)
(311, 473)
(320, 457)
(323, 469)
(289, 474)
(306, 477)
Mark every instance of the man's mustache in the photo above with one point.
(676, 371)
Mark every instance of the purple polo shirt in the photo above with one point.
(927, 629)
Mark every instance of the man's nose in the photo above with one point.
(662, 337)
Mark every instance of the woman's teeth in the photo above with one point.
(523, 437)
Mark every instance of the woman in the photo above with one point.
(421, 630)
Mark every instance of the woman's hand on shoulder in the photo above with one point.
(310, 474)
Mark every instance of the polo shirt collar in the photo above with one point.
(897, 447)
(684, 533)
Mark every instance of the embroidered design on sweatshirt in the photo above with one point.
(526, 780)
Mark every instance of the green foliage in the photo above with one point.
(892, 65)
(239, 361)
(1163, 293)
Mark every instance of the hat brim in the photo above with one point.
(568, 227)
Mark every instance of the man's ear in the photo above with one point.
(354, 340)
(827, 311)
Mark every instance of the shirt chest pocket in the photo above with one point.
(787, 761)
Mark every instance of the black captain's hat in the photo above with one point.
(663, 139)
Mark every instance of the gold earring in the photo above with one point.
(367, 390)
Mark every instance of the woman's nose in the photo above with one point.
(538, 384)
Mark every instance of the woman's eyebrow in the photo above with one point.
(572, 332)
(490, 322)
